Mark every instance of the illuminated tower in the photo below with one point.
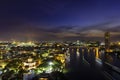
(107, 40)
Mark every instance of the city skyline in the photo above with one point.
(59, 19)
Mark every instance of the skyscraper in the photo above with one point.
(107, 40)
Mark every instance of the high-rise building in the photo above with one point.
(107, 40)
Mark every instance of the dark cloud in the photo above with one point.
(97, 31)
(32, 32)
(92, 32)
(20, 31)
(114, 29)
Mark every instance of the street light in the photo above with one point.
(50, 67)
(50, 63)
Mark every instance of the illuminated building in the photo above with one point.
(30, 64)
(107, 40)
(61, 57)
(2, 64)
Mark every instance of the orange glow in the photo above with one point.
(43, 79)
(96, 49)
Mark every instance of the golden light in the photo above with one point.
(97, 55)
(30, 60)
(43, 78)
(118, 43)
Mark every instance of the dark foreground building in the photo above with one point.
(50, 76)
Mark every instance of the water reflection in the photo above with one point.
(111, 58)
(94, 58)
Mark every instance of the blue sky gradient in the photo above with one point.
(59, 19)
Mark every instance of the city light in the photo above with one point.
(60, 40)
(50, 63)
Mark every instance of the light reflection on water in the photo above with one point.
(88, 56)
(112, 58)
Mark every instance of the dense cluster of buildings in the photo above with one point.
(26, 60)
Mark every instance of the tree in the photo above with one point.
(14, 65)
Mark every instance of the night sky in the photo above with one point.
(59, 19)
